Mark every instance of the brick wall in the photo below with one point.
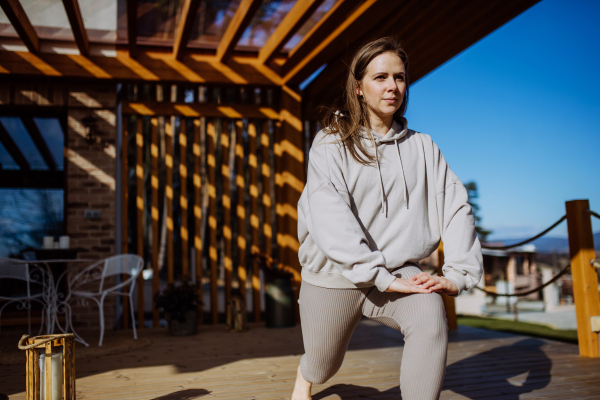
(90, 171)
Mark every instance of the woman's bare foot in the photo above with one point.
(301, 388)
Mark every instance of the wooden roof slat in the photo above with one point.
(479, 24)
(132, 27)
(360, 21)
(19, 20)
(458, 25)
(412, 16)
(334, 17)
(76, 21)
(293, 21)
(236, 27)
(39, 142)
(12, 148)
(186, 24)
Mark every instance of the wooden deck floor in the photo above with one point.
(261, 364)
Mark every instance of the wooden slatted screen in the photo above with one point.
(211, 203)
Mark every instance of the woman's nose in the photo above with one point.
(392, 86)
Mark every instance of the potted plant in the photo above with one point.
(180, 305)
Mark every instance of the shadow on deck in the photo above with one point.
(261, 364)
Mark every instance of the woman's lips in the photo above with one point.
(390, 101)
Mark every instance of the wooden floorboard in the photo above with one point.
(261, 364)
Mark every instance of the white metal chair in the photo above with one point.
(30, 274)
(89, 284)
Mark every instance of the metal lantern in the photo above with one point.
(50, 366)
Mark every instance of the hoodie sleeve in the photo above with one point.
(463, 262)
(333, 226)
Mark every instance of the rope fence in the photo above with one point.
(594, 214)
(537, 289)
(528, 240)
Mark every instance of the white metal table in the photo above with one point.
(55, 299)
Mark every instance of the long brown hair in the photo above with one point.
(348, 122)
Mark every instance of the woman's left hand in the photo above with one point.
(437, 284)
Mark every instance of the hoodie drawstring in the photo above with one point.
(403, 176)
(383, 207)
(397, 132)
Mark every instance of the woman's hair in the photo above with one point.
(355, 114)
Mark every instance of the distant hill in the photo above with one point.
(548, 244)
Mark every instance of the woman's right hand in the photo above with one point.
(401, 285)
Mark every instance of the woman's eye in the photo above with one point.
(380, 77)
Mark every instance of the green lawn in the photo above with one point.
(521, 328)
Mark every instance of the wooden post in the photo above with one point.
(198, 153)
(154, 214)
(290, 177)
(211, 151)
(448, 300)
(169, 125)
(585, 280)
(124, 216)
(139, 172)
(183, 200)
(240, 212)
(225, 170)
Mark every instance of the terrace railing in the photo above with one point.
(583, 267)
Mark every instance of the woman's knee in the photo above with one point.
(318, 371)
(429, 321)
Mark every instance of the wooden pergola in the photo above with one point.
(293, 79)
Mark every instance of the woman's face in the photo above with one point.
(383, 87)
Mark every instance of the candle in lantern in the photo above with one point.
(57, 381)
(48, 242)
(63, 242)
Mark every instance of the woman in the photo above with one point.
(378, 198)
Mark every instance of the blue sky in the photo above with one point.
(519, 113)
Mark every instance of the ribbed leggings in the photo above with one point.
(329, 317)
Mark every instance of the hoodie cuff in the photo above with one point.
(383, 279)
(455, 276)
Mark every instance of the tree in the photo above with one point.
(473, 196)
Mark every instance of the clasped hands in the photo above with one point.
(423, 283)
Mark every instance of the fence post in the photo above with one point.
(448, 300)
(585, 280)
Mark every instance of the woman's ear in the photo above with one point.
(358, 89)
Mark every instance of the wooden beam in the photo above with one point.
(76, 21)
(585, 279)
(236, 28)
(186, 24)
(334, 17)
(39, 142)
(353, 28)
(449, 304)
(13, 149)
(293, 21)
(202, 109)
(132, 27)
(19, 20)
(147, 66)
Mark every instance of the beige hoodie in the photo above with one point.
(357, 223)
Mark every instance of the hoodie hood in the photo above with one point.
(396, 132)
